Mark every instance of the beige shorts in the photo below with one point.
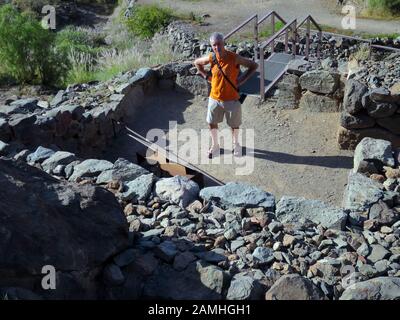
(231, 109)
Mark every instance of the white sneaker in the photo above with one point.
(237, 150)
(214, 150)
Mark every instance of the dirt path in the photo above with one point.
(226, 14)
(295, 153)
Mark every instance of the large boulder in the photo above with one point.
(45, 221)
(320, 81)
(58, 158)
(358, 121)
(139, 189)
(122, 170)
(179, 190)
(40, 155)
(312, 102)
(353, 94)
(361, 192)
(289, 92)
(244, 287)
(374, 150)
(382, 288)
(90, 168)
(237, 194)
(193, 84)
(292, 209)
(294, 287)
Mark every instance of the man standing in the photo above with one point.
(224, 95)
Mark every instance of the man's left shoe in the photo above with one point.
(237, 150)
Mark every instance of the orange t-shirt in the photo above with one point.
(220, 88)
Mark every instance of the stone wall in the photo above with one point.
(81, 119)
(371, 105)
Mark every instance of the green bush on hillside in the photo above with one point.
(392, 6)
(27, 51)
(146, 20)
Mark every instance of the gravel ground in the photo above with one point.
(295, 153)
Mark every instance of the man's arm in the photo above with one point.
(251, 68)
(200, 63)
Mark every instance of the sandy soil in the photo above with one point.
(227, 14)
(295, 153)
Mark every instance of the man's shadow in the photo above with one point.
(343, 162)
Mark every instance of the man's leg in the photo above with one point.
(215, 114)
(237, 149)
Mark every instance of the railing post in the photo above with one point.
(261, 66)
(273, 32)
(294, 41)
(286, 41)
(308, 34)
(255, 37)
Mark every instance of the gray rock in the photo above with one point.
(39, 155)
(244, 287)
(294, 287)
(291, 209)
(122, 170)
(58, 158)
(375, 150)
(69, 168)
(380, 95)
(236, 244)
(381, 212)
(382, 288)
(289, 92)
(381, 110)
(263, 255)
(4, 148)
(179, 190)
(377, 253)
(22, 155)
(168, 283)
(320, 81)
(312, 102)
(211, 256)
(58, 98)
(361, 192)
(23, 106)
(112, 275)
(236, 194)
(358, 121)
(212, 277)
(391, 123)
(124, 258)
(89, 168)
(166, 250)
(70, 226)
(193, 84)
(363, 249)
(139, 189)
(182, 260)
(353, 96)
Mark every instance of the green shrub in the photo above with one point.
(27, 51)
(384, 8)
(146, 20)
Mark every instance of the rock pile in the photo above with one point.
(369, 112)
(236, 242)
